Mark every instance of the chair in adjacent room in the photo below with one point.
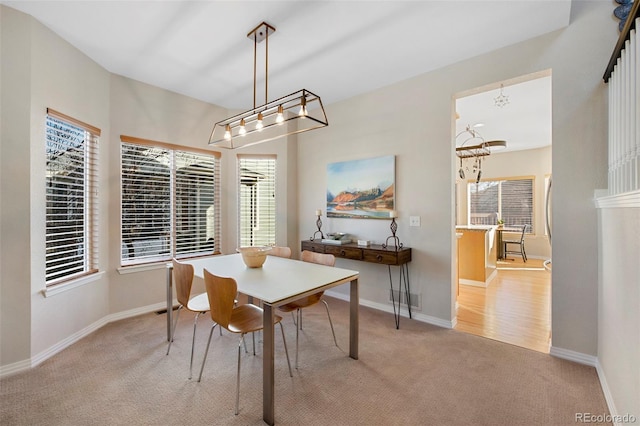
(519, 242)
(305, 302)
(239, 319)
(183, 281)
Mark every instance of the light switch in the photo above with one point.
(414, 220)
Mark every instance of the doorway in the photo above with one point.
(511, 301)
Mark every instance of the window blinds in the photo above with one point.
(170, 202)
(71, 198)
(257, 200)
(508, 199)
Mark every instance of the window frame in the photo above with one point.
(175, 203)
(532, 211)
(89, 178)
(271, 221)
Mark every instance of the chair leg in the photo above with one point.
(206, 351)
(238, 376)
(286, 351)
(524, 255)
(173, 331)
(298, 312)
(326, 306)
(193, 344)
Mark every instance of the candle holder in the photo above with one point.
(319, 225)
(392, 237)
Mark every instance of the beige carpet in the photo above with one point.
(418, 375)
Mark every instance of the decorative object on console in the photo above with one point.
(394, 227)
(361, 189)
(337, 238)
(319, 225)
(302, 109)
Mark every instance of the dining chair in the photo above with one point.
(519, 242)
(239, 319)
(305, 302)
(183, 281)
(280, 251)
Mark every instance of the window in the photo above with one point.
(257, 200)
(170, 201)
(71, 198)
(508, 199)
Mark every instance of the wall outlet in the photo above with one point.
(414, 220)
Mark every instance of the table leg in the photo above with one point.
(404, 276)
(268, 383)
(354, 303)
(169, 274)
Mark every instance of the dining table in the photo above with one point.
(277, 282)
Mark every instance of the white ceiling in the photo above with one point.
(336, 49)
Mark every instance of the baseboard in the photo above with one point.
(17, 367)
(607, 393)
(403, 311)
(578, 357)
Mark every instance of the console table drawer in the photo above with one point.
(344, 252)
(311, 246)
(383, 257)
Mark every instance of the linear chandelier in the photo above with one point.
(295, 113)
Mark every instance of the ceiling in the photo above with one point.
(336, 49)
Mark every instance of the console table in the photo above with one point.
(389, 256)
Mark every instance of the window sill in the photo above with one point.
(61, 288)
(141, 268)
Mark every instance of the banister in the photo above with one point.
(624, 36)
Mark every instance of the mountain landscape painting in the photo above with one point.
(361, 189)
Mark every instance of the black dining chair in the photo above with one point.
(519, 242)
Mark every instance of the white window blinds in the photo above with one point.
(170, 202)
(71, 198)
(257, 200)
(508, 199)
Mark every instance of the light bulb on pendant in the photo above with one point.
(259, 124)
(242, 131)
(227, 132)
(303, 107)
(280, 115)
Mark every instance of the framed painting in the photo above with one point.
(361, 189)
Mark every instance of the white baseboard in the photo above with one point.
(607, 393)
(578, 357)
(17, 367)
(403, 311)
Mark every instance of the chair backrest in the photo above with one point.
(221, 292)
(280, 251)
(524, 230)
(183, 280)
(320, 258)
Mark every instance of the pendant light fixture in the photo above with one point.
(295, 113)
(474, 146)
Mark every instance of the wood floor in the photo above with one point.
(515, 308)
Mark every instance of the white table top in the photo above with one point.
(279, 280)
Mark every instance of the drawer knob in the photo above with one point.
(343, 253)
(379, 258)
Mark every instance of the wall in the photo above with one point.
(413, 120)
(532, 162)
(619, 304)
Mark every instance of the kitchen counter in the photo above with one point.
(477, 256)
